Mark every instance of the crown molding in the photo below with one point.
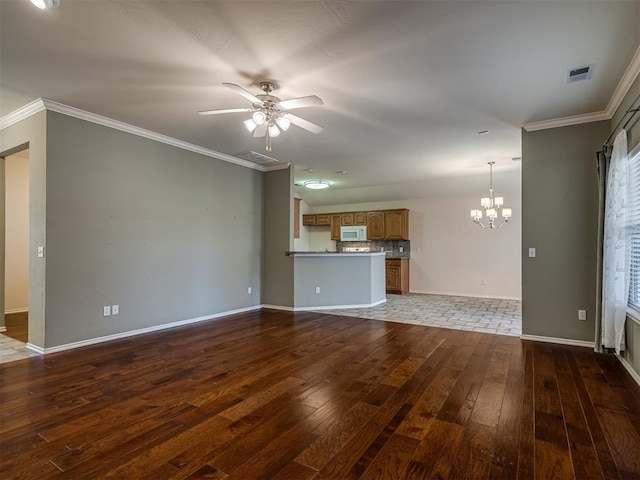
(23, 112)
(567, 121)
(45, 104)
(629, 76)
(277, 166)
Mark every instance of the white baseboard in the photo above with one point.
(131, 333)
(560, 341)
(323, 307)
(277, 307)
(469, 295)
(629, 368)
(3, 329)
(16, 310)
(35, 348)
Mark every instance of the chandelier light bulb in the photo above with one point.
(498, 201)
(250, 125)
(485, 202)
(506, 213)
(491, 213)
(283, 123)
(274, 131)
(259, 117)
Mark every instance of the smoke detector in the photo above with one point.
(578, 74)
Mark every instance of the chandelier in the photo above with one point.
(491, 206)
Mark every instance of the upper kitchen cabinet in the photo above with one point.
(375, 226)
(396, 224)
(360, 218)
(316, 220)
(336, 223)
(381, 225)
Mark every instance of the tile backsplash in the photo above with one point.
(394, 248)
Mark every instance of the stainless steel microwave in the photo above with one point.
(357, 233)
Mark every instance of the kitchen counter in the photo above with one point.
(328, 254)
(329, 280)
(388, 255)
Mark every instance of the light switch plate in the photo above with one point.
(106, 311)
(532, 252)
(115, 309)
(40, 252)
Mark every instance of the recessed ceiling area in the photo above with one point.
(406, 86)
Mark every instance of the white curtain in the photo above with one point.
(616, 255)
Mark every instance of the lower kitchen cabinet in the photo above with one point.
(397, 275)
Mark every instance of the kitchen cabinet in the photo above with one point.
(396, 224)
(296, 217)
(336, 223)
(322, 219)
(375, 226)
(360, 218)
(381, 225)
(397, 275)
(347, 219)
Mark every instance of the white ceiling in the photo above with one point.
(406, 84)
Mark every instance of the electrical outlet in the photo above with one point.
(249, 290)
(115, 309)
(317, 289)
(106, 312)
(582, 314)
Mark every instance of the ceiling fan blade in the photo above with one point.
(310, 101)
(260, 131)
(227, 110)
(246, 94)
(302, 123)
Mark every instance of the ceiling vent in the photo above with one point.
(579, 73)
(256, 157)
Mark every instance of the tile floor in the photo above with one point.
(11, 350)
(487, 315)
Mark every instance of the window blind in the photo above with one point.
(634, 227)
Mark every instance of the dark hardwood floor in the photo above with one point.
(277, 395)
(17, 326)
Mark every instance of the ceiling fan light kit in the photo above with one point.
(317, 184)
(492, 207)
(45, 4)
(270, 115)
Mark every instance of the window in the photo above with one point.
(634, 226)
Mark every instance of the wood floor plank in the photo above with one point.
(309, 396)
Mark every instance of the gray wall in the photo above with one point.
(277, 275)
(632, 332)
(31, 133)
(166, 234)
(559, 219)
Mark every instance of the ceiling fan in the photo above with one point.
(270, 114)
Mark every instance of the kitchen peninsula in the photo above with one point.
(327, 280)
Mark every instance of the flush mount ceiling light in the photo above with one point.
(317, 184)
(270, 115)
(46, 4)
(491, 207)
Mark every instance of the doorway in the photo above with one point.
(16, 254)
